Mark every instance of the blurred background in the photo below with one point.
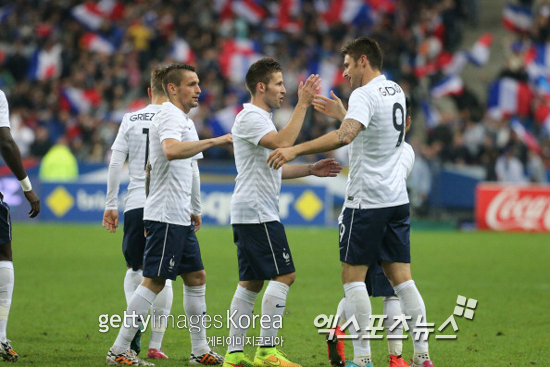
(477, 72)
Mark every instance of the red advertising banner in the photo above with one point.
(501, 207)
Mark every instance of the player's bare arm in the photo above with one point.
(343, 136)
(331, 107)
(327, 167)
(174, 149)
(12, 156)
(287, 136)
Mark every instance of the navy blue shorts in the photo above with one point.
(5, 221)
(170, 250)
(133, 243)
(377, 283)
(369, 236)
(262, 251)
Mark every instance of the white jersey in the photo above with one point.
(374, 179)
(133, 139)
(169, 199)
(4, 111)
(407, 159)
(257, 187)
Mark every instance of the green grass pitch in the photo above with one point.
(68, 275)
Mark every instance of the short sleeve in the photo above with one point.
(360, 107)
(121, 140)
(169, 126)
(252, 127)
(4, 111)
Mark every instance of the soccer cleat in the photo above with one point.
(7, 353)
(156, 354)
(421, 359)
(128, 358)
(207, 359)
(237, 359)
(351, 364)
(267, 357)
(136, 342)
(335, 346)
(398, 361)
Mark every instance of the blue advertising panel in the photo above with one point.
(298, 204)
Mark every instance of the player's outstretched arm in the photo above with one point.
(174, 149)
(12, 156)
(327, 167)
(331, 107)
(343, 136)
(287, 136)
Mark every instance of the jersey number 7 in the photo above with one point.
(146, 132)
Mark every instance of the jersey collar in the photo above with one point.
(250, 106)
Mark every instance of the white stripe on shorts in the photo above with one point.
(272, 252)
(349, 237)
(163, 248)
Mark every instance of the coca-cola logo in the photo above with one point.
(511, 209)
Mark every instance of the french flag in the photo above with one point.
(249, 10)
(95, 43)
(92, 14)
(79, 101)
(222, 121)
(330, 74)
(182, 52)
(355, 12)
(450, 85)
(46, 63)
(542, 116)
(451, 63)
(517, 18)
(431, 115)
(479, 54)
(236, 57)
(509, 97)
(524, 135)
(286, 15)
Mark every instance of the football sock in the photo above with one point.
(160, 311)
(132, 280)
(194, 303)
(6, 292)
(139, 305)
(392, 310)
(273, 305)
(358, 305)
(242, 305)
(412, 305)
(341, 313)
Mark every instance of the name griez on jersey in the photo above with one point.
(143, 116)
(390, 91)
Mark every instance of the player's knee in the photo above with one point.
(195, 278)
(252, 285)
(155, 284)
(5, 252)
(287, 279)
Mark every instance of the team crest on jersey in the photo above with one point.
(171, 264)
(286, 256)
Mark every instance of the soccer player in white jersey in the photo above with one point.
(376, 225)
(12, 157)
(172, 214)
(262, 249)
(377, 283)
(132, 142)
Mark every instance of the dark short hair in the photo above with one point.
(408, 106)
(364, 46)
(172, 74)
(156, 79)
(260, 72)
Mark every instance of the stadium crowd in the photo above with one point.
(71, 69)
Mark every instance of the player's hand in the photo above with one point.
(331, 107)
(308, 90)
(223, 140)
(280, 156)
(34, 201)
(196, 220)
(327, 167)
(110, 220)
